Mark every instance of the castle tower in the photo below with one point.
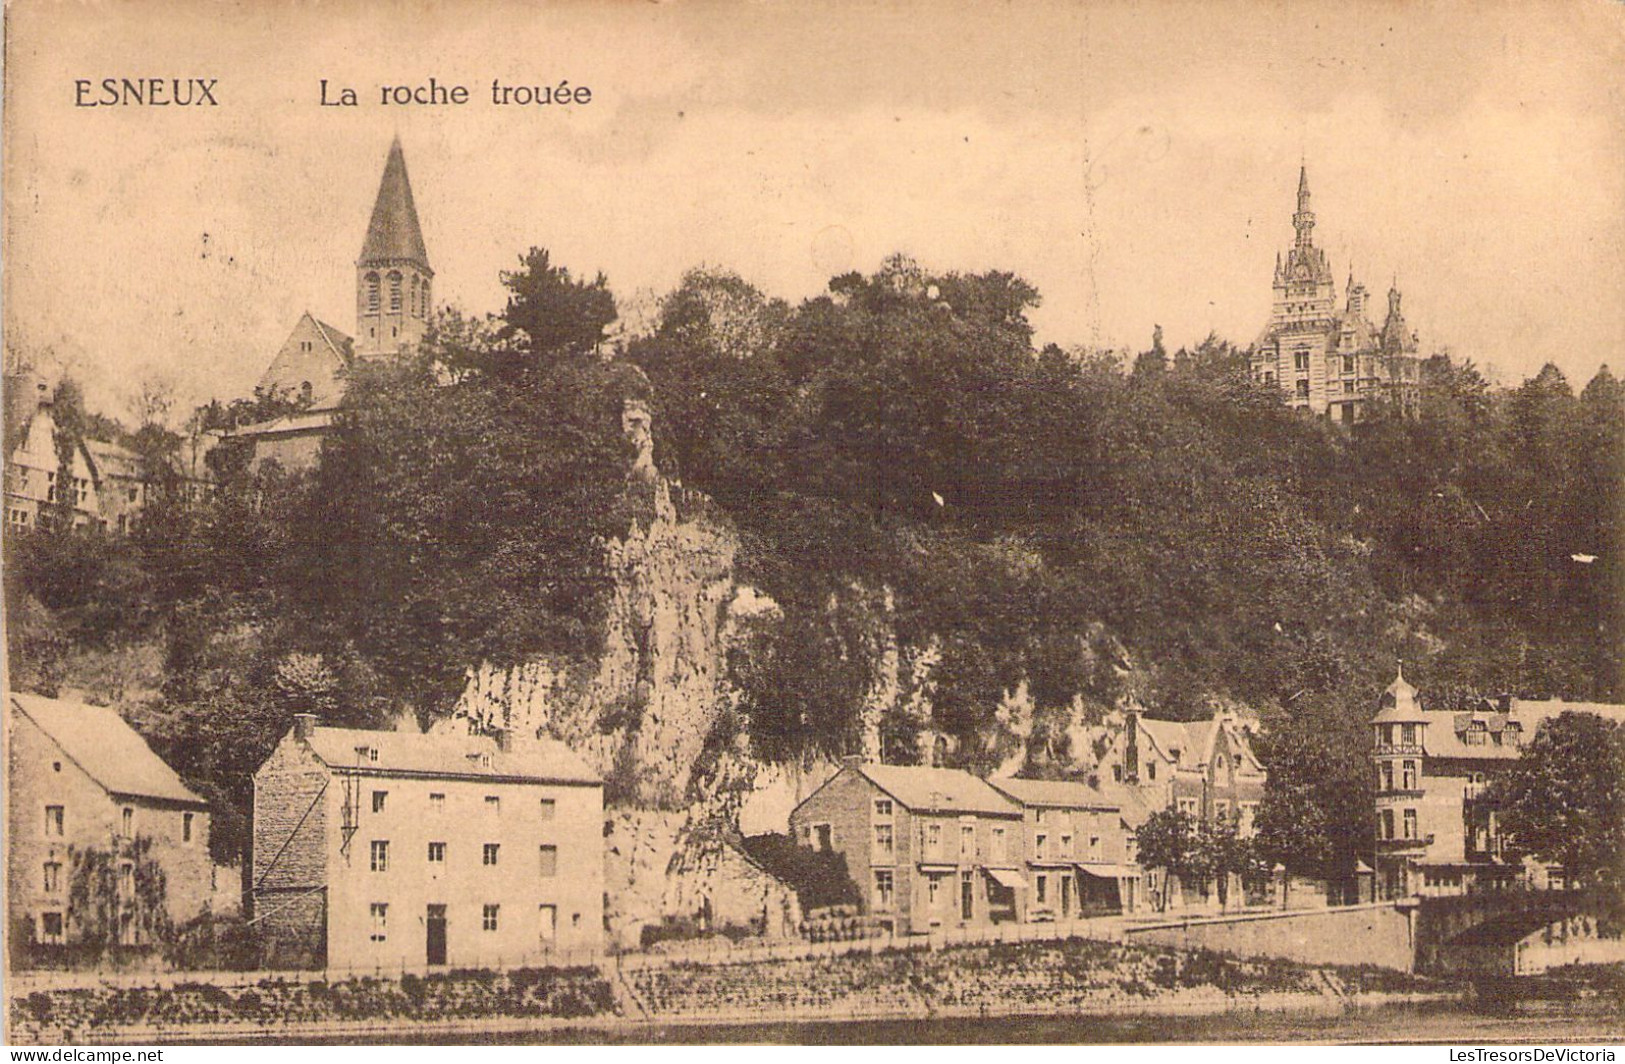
(393, 272)
(1399, 738)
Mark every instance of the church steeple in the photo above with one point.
(393, 272)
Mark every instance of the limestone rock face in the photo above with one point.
(641, 711)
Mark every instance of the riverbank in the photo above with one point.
(963, 985)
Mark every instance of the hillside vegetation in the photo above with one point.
(1043, 536)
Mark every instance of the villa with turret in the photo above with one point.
(1331, 361)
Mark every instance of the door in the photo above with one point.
(1066, 897)
(967, 896)
(436, 930)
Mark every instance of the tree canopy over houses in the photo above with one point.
(901, 466)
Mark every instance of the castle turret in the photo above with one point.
(393, 273)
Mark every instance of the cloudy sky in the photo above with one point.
(1136, 161)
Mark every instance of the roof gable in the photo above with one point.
(102, 744)
(938, 790)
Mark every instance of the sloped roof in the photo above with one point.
(541, 760)
(939, 790)
(1170, 735)
(1444, 737)
(1054, 794)
(99, 741)
(110, 459)
(336, 339)
(1135, 806)
(1399, 702)
(393, 233)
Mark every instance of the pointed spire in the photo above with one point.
(394, 235)
(1303, 188)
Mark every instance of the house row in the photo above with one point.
(936, 847)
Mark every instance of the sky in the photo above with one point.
(1137, 162)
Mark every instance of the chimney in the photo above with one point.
(1131, 748)
(304, 725)
(853, 761)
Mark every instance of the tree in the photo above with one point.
(1167, 841)
(551, 315)
(1563, 800)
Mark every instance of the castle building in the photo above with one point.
(1437, 830)
(85, 791)
(396, 849)
(1327, 360)
(393, 304)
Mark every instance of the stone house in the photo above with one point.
(1206, 769)
(927, 847)
(715, 881)
(80, 780)
(398, 849)
(1075, 849)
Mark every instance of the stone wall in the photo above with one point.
(288, 866)
(1378, 935)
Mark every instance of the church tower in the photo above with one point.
(393, 272)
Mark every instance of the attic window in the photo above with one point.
(367, 753)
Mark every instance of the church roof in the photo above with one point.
(394, 235)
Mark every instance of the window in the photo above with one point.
(489, 856)
(437, 803)
(1150, 770)
(1040, 816)
(933, 840)
(367, 753)
(547, 924)
(378, 798)
(549, 861)
(1348, 363)
(1066, 846)
(1407, 776)
(967, 840)
(1385, 829)
(186, 827)
(380, 919)
(1041, 889)
(1221, 809)
(884, 887)
(883, 840)
(126, 880)
(53, 877)
(372, 293)
(1300, 361)
(933, 892)
(493, 804)
(380, 855)
(53, 820)
(1094, 847)
(1041, 846)
(394, 291)
(883, 809)
(50, 928)
(488, 917)
(1303, 389)
(1001, 847)
(1387, 776)
(1408, 734)
(1188, 806)
(1117, 773)
(437, 853)
(1410, 824)
(127, 823)
(548, 808)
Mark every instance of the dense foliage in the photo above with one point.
(903, 468)
(1563, 800)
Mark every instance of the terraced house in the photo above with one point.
(88, 800)
(398, 849)
(927, 847)
(1075, 847)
